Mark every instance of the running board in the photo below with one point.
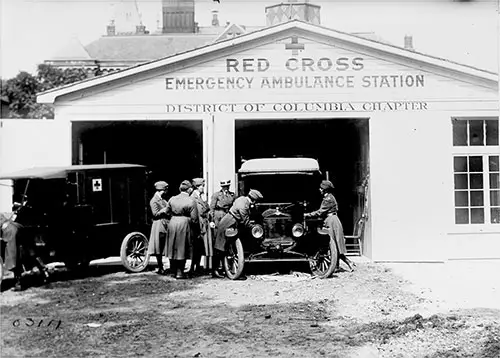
(278, 260)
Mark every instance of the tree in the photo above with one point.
(21, 90)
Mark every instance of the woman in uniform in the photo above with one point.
(182, 228)
(328, 211)
(157, 238)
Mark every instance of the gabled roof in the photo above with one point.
(291, 27)
(146, 47)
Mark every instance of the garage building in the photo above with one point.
(423, 131)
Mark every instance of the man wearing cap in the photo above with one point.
(237, 216)
(157, 238)
(182, 228)
(201, 246)
(328, 211)
(220, 203)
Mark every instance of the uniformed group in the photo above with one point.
(181, 226)
(187, 227)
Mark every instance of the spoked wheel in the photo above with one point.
(325, 260)
(134, 252)
(234, 261)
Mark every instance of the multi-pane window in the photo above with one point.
(475, 132)
(476, 171)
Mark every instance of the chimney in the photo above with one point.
(178, 16)
(215, 18)
(140, 29)
(111, 28)
(409, 43)
(293, 10)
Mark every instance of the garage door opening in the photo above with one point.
(172, 150)
(340, 146)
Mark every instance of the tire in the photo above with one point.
(325, 260)
(234, 261)
(134, 252)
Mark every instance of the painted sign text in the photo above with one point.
(295, 73)
(298, 107)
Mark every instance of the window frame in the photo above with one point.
(484, 151)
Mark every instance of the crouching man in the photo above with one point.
(237, 216)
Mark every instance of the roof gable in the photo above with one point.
(279, 32)
(231, 31)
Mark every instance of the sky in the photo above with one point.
(32, 31)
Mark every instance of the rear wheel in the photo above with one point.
(325, 260)
(234, 261)
(134, 252)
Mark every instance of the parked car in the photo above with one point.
(280, 232)
(79, 213)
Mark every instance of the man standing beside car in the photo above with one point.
(220, 203)
(157, 238)
(237, 216)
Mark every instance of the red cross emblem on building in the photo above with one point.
(295, 46)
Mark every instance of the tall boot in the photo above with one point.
(173, 267)
(43, 269)
(216, 265)
(180, 264)
(348, 262)
(17, 276)
(159, 260)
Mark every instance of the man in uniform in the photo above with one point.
(220, 203)
(237, 216)
(201, 244)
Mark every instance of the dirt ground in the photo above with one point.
(380, 310)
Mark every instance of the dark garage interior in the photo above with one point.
(172, 150)
(340, 145)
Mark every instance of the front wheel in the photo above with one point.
(134, 252)
(325, 260)
(234, 261)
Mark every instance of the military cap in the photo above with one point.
(326, 184)
(161, 185)
(225, 182)
(185, 185)
(255, 194)
(198, 181)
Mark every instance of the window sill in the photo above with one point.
(474, 229)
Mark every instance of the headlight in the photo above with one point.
(297, 230)
(257, 231)
(4, 225)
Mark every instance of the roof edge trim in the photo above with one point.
(49, 97)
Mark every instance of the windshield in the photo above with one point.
(38, 192)
(283, 188)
